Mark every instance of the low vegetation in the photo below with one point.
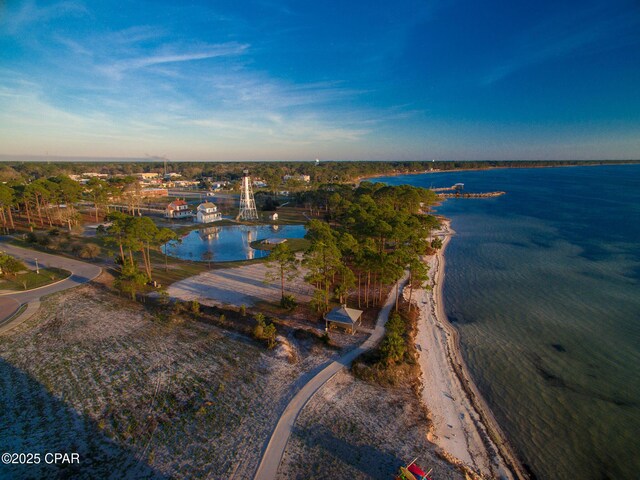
(264, 331)
(394, 361)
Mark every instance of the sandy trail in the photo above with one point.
(457, 428)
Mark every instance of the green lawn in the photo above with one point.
(295, 244)
(31, 279)
(291, 215)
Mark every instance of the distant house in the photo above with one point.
(273, 217)
(343, 316)
(178, 209)
(207, 212)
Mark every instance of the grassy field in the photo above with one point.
(295, 244)
(139, 396)
(291, 215)
(31, 279)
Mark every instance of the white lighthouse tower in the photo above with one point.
(247, 202)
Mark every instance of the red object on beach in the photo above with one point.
(416, 470)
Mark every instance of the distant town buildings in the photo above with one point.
(83, 178)
(207, 212)
(297, 178)
(178, 209)
(155, 192)
(147, 175)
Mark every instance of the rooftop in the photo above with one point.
(344, 314)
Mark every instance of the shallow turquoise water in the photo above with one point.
(229, 243)
(544, 285)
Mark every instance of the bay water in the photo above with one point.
(543, 284)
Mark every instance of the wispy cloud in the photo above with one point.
(594, 28)
(118, 68)
(29, 13)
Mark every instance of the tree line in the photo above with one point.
(135, 237)
(366, 239)
(53, 201)
(271, 172)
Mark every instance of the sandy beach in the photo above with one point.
(462, 424)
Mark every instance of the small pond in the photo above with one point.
(229, 243)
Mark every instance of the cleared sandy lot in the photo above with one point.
(138, 396)
(238, 286)
(355, 429)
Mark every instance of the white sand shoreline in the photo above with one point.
(463, 426)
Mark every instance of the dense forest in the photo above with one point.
(321, 172)
(366, 239)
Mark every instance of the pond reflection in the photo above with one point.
(228, 243)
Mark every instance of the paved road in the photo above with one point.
(277, 443)
(81, 272)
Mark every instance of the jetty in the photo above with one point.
(471, 195)
(455, 191)
(457, 186)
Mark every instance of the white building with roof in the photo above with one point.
(178, 209)
(207, 212)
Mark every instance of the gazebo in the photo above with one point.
(346, 317)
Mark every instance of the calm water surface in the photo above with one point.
(229, 243)
(544, 286)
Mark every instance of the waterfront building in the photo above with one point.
(207, 212)
(178, 209)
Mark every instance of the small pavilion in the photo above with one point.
(343, 316)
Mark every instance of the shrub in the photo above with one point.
(264, 331)
(436, 243)
(288, 302)
(43, 240)
(76, 248)
(90, 250)
(9, 266)
(393, 347)
(131, 280)
(395, 324)
(195, 307)
(31, 237)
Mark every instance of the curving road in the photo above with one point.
(277, 443)
(81, 272)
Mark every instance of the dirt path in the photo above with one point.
(274, 450)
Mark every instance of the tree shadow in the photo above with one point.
(369, 460)
(32, 420)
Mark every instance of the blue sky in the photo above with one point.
(299, 80)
